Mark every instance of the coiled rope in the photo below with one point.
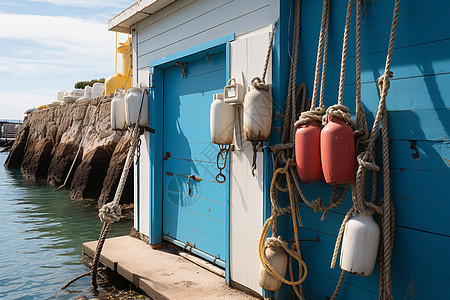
(366, 161)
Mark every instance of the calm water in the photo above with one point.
(41, 234)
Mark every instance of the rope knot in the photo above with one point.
(259, 84)
(312, 115)
(274, 242)
(367, 160)
(340, 111)
(317, 205)
(384, 81)
(110, 212)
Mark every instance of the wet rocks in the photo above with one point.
(48, 141)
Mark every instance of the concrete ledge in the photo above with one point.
(161, 273)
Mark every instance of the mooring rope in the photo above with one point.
(366, 161)
(111, 212)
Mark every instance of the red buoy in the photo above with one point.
(307, 152)
(337, 149)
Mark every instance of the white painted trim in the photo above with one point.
(135, 13)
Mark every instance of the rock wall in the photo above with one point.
(47, 142)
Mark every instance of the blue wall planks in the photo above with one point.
(419, 128)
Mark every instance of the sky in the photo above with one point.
(48, 45)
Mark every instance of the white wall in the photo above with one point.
(141, 222)
(248, 54)
(185, 24)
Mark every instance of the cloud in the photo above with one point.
(122, 4)
(55, 44)
(10, 3)
(44, 54)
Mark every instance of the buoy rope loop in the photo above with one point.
(315, 114)
(259, 84)
(339, 111)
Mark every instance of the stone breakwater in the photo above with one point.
(48, 140)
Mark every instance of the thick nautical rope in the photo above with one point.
(257, 82)
(111, 212)
(339, 110)
(316, 113)
(260, 84)
(295, 250)
(366, 161)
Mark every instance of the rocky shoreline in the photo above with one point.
(48, 140)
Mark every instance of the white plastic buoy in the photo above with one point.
(360, 245)
(278, 259)
(221, 121)
(118, 119)
(97, 89)
(133, 100)
(233, 92)
(257, 115)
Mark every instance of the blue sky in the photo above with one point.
(48, 45)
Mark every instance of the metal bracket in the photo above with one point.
(166, 156)
(183, 69)
(150, 80)
(148, 129)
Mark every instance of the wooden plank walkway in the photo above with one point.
(161, 273)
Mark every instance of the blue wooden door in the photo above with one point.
(193, 212)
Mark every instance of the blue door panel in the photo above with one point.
(209, 208)
(202, 241)
(198, 218)
(206, 170)
(204, 151)
(195, 83)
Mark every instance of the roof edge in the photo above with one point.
(138, 11)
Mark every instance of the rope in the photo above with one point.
(92, 120)
(339, 110)
(277, 242)
(78, 277)
(366, 161)
(260, 84)
(111, 212)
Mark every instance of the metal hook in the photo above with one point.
(195, 178)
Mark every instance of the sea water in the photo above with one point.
(41, 236)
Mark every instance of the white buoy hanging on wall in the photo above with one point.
(360, 245)
(118, 121)
(136, 105)
(278, 260)
(221, 121)
(258, 114)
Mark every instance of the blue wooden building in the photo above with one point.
(186, 50)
